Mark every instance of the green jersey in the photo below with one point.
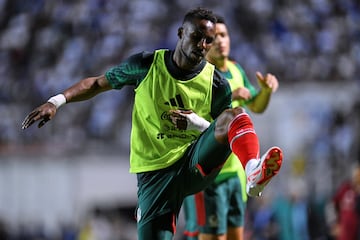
(160, 87)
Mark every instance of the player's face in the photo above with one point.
(221, 45)
(196, 39)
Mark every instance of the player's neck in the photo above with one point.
(221, 64)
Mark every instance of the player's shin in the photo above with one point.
(243, 139)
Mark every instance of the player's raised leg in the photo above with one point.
(244, 143)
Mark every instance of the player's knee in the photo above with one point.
(222, 123)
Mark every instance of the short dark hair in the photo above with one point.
(220, 19)
(200, 13)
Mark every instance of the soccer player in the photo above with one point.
(219, 211)
(345, 205)
(171, 160)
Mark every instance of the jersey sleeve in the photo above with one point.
(221, 95)
(131, 71)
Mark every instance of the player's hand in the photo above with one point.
(188, 120)
(43, 113)
(241, 93)
(269, 81)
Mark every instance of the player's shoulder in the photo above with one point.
(219, 80)
(236, 63)
(144, 57)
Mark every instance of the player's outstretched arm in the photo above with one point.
(83, 90)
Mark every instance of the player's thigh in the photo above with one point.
(208, 153)
(204, 159)
(160, 195)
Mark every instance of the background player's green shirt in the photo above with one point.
(159, 87)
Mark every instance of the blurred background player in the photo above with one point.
(219, 211)
(344, 208)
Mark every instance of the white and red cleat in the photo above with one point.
(260, 175)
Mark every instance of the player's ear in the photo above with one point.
(180, 32)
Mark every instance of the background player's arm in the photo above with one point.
(268, 84)
(83, 90)
(241, 93)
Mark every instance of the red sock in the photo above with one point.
(243, 139)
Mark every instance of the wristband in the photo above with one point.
(57, 100)
(195, 122)
(203, 125)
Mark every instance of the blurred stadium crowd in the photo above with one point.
(45, 46)
(48, 45)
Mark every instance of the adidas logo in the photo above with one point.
(176, 102)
